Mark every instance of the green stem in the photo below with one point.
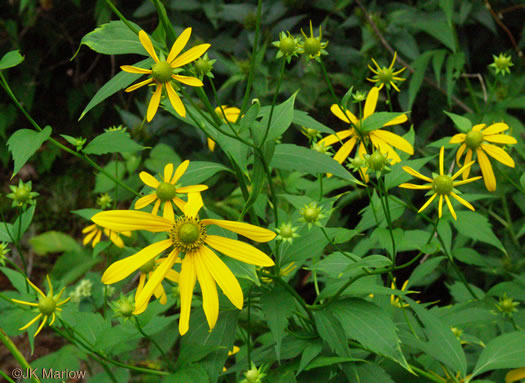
(329, 84)
(16, 353)
(110, 4)
(386, 210)
(274, 100)
(252, 59)
(509, 225)
(431, 377)
(248, 340)
(219, 103)
(320, 177)
(273, 196)
(353, 258)
(7, 378)
(389, 99)
(472, 96)
(163, 16)
(139, 327)
(298, 298)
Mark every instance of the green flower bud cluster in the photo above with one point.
(4, 250)
(22, 194)
(286, 232)
(123, 307)
(290, 46)
(507, 306)
(104, 201)
(204, 66)
(502, 64)
(311, 214)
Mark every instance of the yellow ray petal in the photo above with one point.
(467, 181)
(498, 127)
(168, 171)
(194, 204)
(347, 117)
(156, 207)
(371, 102)
(173, 276)
(461, 201)
(53, 317)
(339, 136)
(90, 236)
(255, 233)
(153, 282)
(498, 154)
(175, 100)
(154, 103)
(168, 211)
(149, 180)
(114, 237)
(468, 159)
(478, 127)
(501, 139)
(24, 302)
(31, 322)
(145, 201)
(416, 174)
(223, 276)
(96, 240)
(89, 228)
(35, 287)
(463, 169)
(192, 189)
(129, 220)
(179, 203)
(119, 270)
(427, 203)
(160, 294)
(239, 250)
(186, 285)
(148, 46)
(179, 44)
(486, 170)
(134, 69)
(459, 153)
(187, 80)
(442, 161)
(451, 208)
(415, 187)
(41, 326)
(210, 298)
(440, 205)
(138, 85)
(457, 138)
(181, 169)
(190, 55)
(344, 151)
(396, 121)
(140, 286)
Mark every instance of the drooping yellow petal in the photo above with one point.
(385, 149)
(90, 236)
(179, 203)
(515, 375)
(41, 326)
(156, 278)
(53, 317)
(478, 127)
(468, 158)
(114, 237)
(119, 270)
(145, 201)
(31, 322)
(501, 139)
(175, 100)
(190, 55)
(396, 121)
(140, 286)
(239, 250)
(498, 127)
(148, 46)
(160, 294)
(187, 80)
(498, 154)
(172, 275)
(210, 298)
(149, 180)
(179, 44)
(429, 201)
(462, 170)
(129, 220)
(347, 117)
(223, 276)
(35, 287)
(168, 171)
(24, 302)
(156, 207)
(96, 240)
(416, 174)
(186, 285)
(339, 136)
(192, 189)
(459, 153)
(154, 103)
(50, 285)
(194, 204)
(371, 102)
(134, 69)
(89, 228)
(442, 161)
(255, 233)
(450, 208)
(168, 211)
(486, 170)
(457, 138)
(344, 151)
(415, 187)
(440, 205)
(461, 201)
(138, 85)
(181, 169)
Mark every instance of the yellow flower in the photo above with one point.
(313, 46)
(94, 234)
(381, 139)
(386, 76)
(442, 185)
(146, 271)
(515, 375)
(187, 239)
(162, 72)
(395, 300)
(478, 141)
(231, 113)
(46, 307)
(166, 190)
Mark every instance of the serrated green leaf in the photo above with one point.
(200, 171)
(505, 351)
(476, 226)
(281, 119)
(24, 143)
(116, 141)
(114, 38)
(303, 119)
(192, 373)
(462, 123)
(17, 280)
(330, 329)
(11, 59)
(53, 242)
(311, 351)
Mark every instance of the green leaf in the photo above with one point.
(65, 359)
(116, 141)
(17, 280)
(24, 143)
(22, 223)
(114, 38)
(476, 226)
(11, 59)
(505, 351)
(293, 157)
(311, 351)
(120, 81)
(160, 155)
(86, 213)
(89, 325)
(54, 242)
(420, 67)
(462, 123)
(192, 373)
(397, 175)
(324, 361)
(448, 7)
(304, 120)
(281, 119)
(330, 330)
(277, 314)
(378, 120)
(437, 63)
(435, 25)
(419, 276)
(200, 171)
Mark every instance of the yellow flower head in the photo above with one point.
(481, 140)
(94, 234)
(386, 76)
(382, 140)
(162, 72)
(188, 239)
(225, 113)
(47, 305)
(166, 190)
(442, 185)
(313, 46)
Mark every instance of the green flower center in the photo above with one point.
(202, 66)
(443, 185)
(47, 305)
(126, 308)
(474, 139)
(377, 161)
(287, 45)
(286, 231)
(166, 191)
(502, 62)
(311, 214)
(22, 194)
(187, 234)
(147, 267)
(385, 75)
(312, 46)
(162, 72)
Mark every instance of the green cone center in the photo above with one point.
(385, 75)
(287, 45)
(443, 185)
(47, 305)
(311, 214)
(166, 191)
(148, 266)
(474, 139)
(22, 194)
(188, 233)
(162, 71)
(312, 46)
(377, 161)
